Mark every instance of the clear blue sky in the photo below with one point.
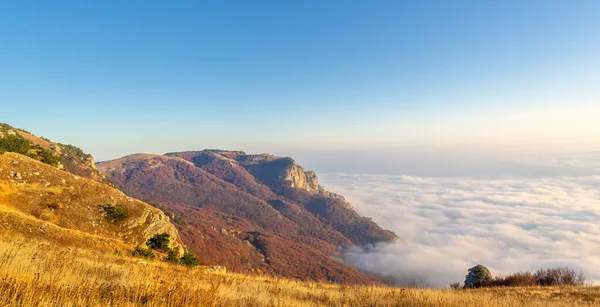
(117, 77)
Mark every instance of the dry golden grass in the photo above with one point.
(39, 273)
(44, 201)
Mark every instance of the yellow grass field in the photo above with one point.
(38, 273)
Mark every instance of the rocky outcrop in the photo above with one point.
(277, 172)
(298, 178)
(89, 161)
(478, 276)
(150, 222)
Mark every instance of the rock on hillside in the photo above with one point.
(250, 212)
(62, 156)
(40, 200)
(478, 276)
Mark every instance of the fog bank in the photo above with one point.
(447, 225)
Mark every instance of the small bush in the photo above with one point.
(172, 256)
(455, 285)
(519, 279)
(143, 252)
(188, 259)
(46, 156)
(179, 221)
(73, 151)
(559, 277)
(159, 241)
(13, 143)
(114, 214)
(18, 144)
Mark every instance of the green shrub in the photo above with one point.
(157, 205)
(188, 259)
(46, 157)
(114, 213)
(172, 256)
(179, 221)
(20, 145)
(159, 241)
(73, 151)
(143, 252)
(13, 143)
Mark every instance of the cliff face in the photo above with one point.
(295, 176)
(276, 172)
(250, 212)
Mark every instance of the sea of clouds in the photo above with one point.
(447, 225)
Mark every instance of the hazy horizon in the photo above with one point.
(295, 78)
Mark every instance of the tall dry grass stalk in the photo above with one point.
(38, 273)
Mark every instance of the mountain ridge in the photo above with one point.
(251, 212)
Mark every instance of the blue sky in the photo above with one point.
(117, 77)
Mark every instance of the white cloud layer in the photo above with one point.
(448, 225)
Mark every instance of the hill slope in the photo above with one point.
(39, 201)
(62, 156)
(42, 274)
(250, 212)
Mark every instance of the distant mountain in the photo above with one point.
(250, 212)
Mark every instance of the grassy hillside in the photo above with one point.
(63, 156)
(36, 198)
(38, 273)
